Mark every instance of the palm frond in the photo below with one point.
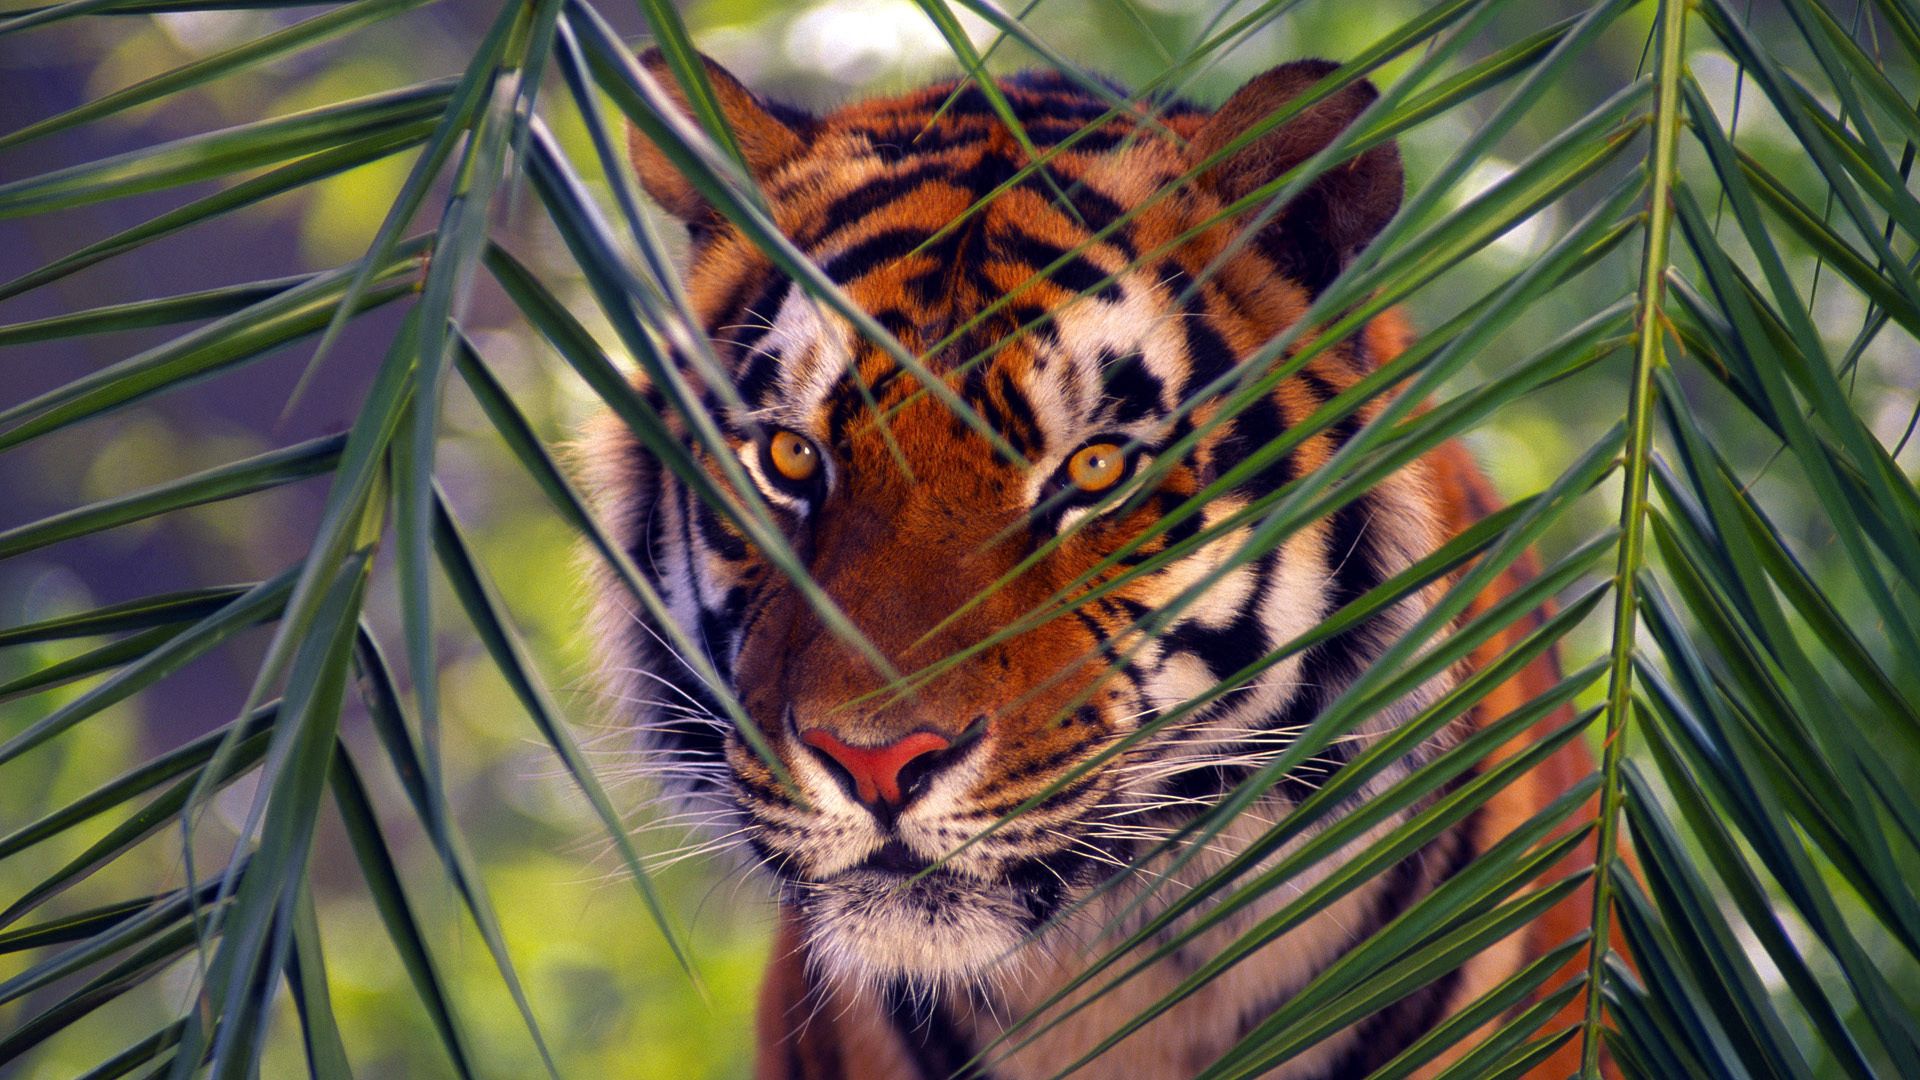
(1712, 308)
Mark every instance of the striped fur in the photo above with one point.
(932, 541)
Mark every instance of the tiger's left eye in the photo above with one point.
(793, 456)
(1097, 467)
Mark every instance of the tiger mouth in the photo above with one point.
(918, 881)
(894, 915)
(933, 928)
(901, 909)
(894, 857)
(1040, 881)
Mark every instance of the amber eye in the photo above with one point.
(1097, 467)
(793, 457)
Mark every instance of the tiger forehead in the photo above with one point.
(935, 193)
(1053, 303)
(940, 215)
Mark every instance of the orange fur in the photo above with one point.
(1466, 496)
(924, 541)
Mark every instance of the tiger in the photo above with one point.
(981, 625)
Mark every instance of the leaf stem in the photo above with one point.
(1648, 354)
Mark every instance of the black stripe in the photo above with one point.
(1050, 763)
(756, 382)
(1099, 212)
(725, 543)
(988, 172)
(1104, 643)
(1329, 667)
(1344, 429)
(1075, 272)
(1023, 430)
(1340, 659)
(970, 102)
(868, 255)
(1256, 426)
(728, 311)
(643, 469)
(1134, 390)
(844, 403)
(930, 1036)
(1041, 883)
(874, 194)
(902, 323)
(752, 320)
(1226, 649)
(903, 138)
(1208, 354)
(1060, 797)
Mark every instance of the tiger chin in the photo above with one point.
(998, 539)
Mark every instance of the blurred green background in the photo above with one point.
(607, 992)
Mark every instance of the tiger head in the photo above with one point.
(1029, 548)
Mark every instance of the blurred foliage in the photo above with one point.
(610, 997)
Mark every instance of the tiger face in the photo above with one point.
(1038, 555)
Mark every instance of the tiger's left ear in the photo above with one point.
(1324, 227)
(768, 137)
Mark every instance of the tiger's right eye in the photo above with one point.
(793, 456)
(1097, 467)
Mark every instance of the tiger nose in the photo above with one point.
(880, 774)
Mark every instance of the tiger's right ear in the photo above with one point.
(766, 140)
(1318, 233)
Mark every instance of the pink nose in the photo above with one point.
(875, 770)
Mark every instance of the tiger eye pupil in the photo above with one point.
(1096, 467)
(794, 456)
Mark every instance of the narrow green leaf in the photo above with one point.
(454, 122)
(131, 831)
(139, 314)
(1733, 878)
(676, 47)
(261, 602)
(92, 662)
(141, 1053)
(484, 610)
(221, 153)
(351, 520)
(341, 20)
(1416, 970)
(275, 468)
(370, 849)
(312, 1000)
(572, 506)
(136, 781)
(85, 924)
(1493, 1006)
(459, 241)
(245, 967)
(241, 337)
(1524, 1061)
(290, 177)
(384, 706)
(159, 610)
(1679, 999)
(1707, 944)
(140, 966)
(1649, 354)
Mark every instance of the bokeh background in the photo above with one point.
(608, 994)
